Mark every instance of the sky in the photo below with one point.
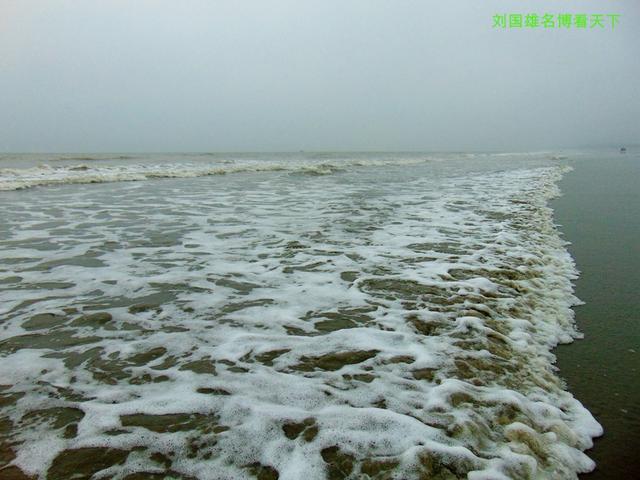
(289, 75)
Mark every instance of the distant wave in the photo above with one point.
(92, 157)
(101, 168)
(21, 178)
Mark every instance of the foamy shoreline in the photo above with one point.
(410, 339)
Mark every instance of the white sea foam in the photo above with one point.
(408, 320)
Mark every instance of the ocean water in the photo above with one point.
(383, 316)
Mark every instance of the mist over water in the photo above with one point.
(285, 75)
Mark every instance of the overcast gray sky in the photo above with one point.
(249, 75)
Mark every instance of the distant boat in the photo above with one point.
(623, 150)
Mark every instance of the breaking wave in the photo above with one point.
(21, 178)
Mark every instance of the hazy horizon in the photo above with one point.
(286, 76)
(319, 151)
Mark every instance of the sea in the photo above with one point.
(286, 316)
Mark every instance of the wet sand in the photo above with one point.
(599, 214)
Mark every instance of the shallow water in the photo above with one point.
(372, 316)
(599, 212)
